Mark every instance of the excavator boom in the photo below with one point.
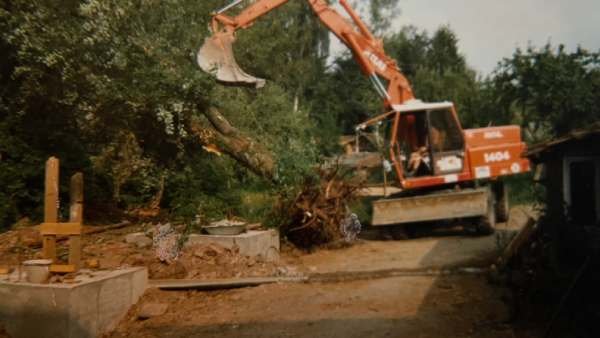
(216, 55)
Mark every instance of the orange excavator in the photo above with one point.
(442, 172)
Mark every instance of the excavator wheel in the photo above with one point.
(486, 225)
(502, 204)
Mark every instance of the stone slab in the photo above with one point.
(90, 308)
(260, 244)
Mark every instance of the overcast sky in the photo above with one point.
(490, 30)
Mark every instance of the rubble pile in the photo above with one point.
(138, 245)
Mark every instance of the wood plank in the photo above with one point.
(60, 229)
(76, 216)
(49, 247)
(219, 284)
(379, 191)
(75, 251)
(98, 229)
(519, 241)
(86, 230)
(62, 268)
(51, 205)
(51, 190)
(76, 198)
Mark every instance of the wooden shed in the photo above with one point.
(569, 169)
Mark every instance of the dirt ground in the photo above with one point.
(449, 306)
(454, 305)
(443, 248)
(369, 300)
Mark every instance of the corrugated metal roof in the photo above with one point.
(578, 134)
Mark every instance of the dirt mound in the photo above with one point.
(195, 262)
(16, 246)
(211, 262)
(109, 250)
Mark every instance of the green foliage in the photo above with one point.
(549, 91)
(78, 75)
(433, 65)
(108, 86)
(436, 69)
(378, 13)
(203, 186)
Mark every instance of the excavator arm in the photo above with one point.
(216, 55)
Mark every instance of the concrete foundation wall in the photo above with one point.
(261, 244)
(86, 309)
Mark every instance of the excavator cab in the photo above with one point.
(424, 140)
(447, 142)
(432, 143)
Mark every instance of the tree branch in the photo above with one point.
(233, 142)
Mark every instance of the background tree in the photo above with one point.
(79, 75)
(112, 88)
(549, 91)
(433, 65)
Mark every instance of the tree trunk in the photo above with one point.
(234, 143)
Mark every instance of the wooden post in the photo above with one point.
(51, 205)
(76, 216)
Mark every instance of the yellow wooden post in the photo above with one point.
(76, 216)
(51, 205)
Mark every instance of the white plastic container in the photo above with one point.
(37, 270)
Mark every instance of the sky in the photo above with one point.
(491, 30)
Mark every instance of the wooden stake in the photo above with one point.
(51, 205)
(76, 216)
(76, 196)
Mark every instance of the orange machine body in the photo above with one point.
(486, 153)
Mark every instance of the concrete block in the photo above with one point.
(139, 239)
(260, 244)
(150, 310)
(90, 308)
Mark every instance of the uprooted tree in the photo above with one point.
(316, 211)
(313, 212)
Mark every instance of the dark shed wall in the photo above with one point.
(554, 187)
(553, 158)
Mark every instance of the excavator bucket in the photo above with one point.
(216, 57)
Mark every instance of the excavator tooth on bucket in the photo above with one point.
(216, 57)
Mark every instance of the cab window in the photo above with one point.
(444, 132)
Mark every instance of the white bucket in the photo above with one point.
(37, 270)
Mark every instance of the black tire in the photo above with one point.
(486, 225)
(502, 202)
